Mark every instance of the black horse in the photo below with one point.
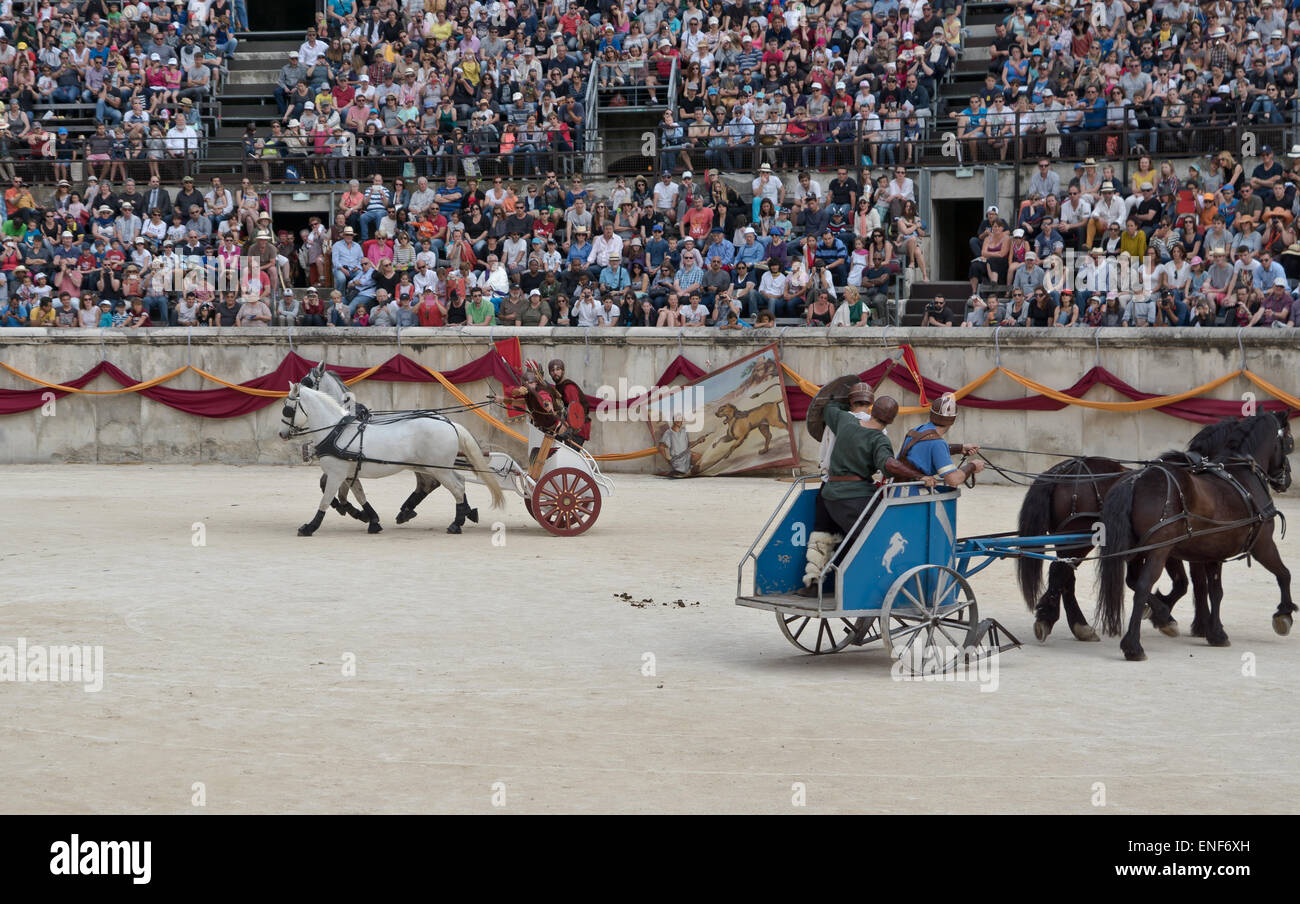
(1204, 512)
(1066, 499)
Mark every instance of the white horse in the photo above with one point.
(330, 383)
(350, 450)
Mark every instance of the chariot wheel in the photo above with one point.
(566, 501)
(929, 619)
(823, 635)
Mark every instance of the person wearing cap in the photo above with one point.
(291, 75)
(1276, 307)
(856, 449)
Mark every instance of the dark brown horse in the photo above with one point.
(1066, 499)
(1203, 513)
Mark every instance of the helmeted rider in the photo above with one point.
(569, 393)
(925, 449)
(861, 450)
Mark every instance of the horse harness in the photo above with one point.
(330, 447)
(1193, 463)
(917, 435)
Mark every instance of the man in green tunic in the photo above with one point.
(861, 450)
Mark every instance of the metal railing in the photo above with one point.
(591, 140)
(605, 151)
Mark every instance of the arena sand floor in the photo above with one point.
(513, 674)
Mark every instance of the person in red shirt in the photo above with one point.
(430, 312)
(138, 317)
(698, 221)
(772, 53)
(313, 310)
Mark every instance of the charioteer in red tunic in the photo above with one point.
(571, 394)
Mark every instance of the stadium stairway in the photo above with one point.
(922, 293)
(248, 95)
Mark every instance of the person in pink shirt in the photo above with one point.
(155, 79)
(378, 250)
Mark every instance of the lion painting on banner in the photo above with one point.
(743, 417)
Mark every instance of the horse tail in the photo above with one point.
(1035, 521)
(469, 448)
(1117, 522)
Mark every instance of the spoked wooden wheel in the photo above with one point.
(929, 620)
(565, 501)
(822, 635)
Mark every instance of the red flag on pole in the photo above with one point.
(909, 359)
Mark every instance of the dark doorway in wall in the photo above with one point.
(283, 15)
(955, 223)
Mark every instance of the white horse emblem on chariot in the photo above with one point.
(897, 543)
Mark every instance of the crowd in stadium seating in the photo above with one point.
(141, 72)
(1212, 248)
(462, 130)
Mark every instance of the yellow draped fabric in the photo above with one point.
(803, 384)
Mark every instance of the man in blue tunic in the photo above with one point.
(926, 450)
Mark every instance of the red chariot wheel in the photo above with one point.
(566, 501)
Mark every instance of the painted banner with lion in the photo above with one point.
(736, 419)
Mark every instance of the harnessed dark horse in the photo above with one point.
(1206, 512)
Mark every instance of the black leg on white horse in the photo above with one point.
(417, 496)
(340, 502)
(328, 492)
(463, 511)
(372, 518)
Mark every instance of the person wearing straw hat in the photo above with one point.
(1290, 261)
(924, 447)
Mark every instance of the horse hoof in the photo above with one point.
(1041, 630)
(374, 527)
(1219, 641)
(1139, 656)
(1169, 628)
(472, 514)
(1282, 624)
(453, 528)
(404, 516)
(306, 531)
(1198, 630)
(1084, 633)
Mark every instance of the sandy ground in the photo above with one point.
(479, 664)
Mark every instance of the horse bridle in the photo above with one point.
(1280, 480)
(291, 407)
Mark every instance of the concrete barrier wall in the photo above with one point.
(131, 428)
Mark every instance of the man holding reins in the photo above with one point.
(924, 447)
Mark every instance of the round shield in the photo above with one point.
(836, 390)
(577, 415)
